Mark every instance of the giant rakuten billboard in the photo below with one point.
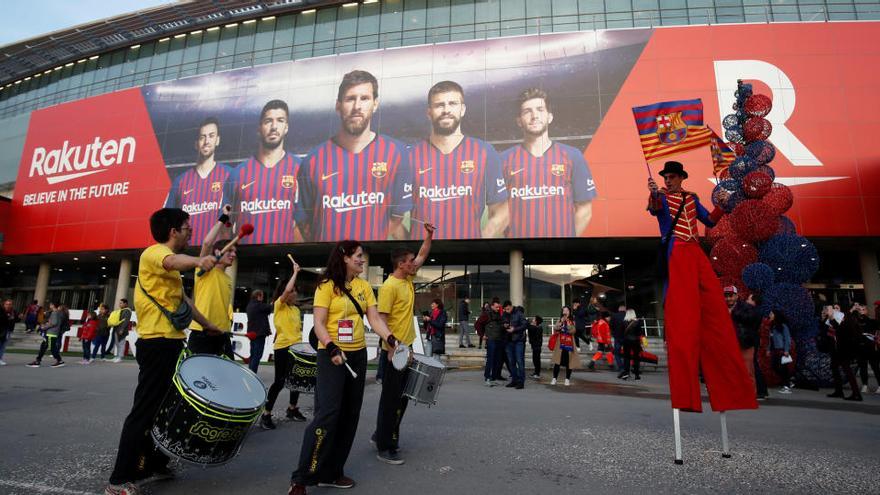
(307, 154)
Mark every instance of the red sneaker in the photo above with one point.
(296, 489)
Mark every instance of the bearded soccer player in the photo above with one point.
(456, 177)
(202, 190)
(551, 188)
(356, 185)
(266, 185)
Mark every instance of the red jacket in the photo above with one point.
(89, 330)
(601, 331)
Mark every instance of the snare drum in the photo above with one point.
(424, 379)
(208, 410)
(304, 372)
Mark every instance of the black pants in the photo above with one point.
(500, 359)
(760, 383)
(328, 438)
(563, 362)
(283, 365)
(392, 406)
(631, 351)
(869, 356)
(137, 457)
(781, 369)
(53, 344)
(536, 358)
(580, 335)
(839, 362)
(219, 345)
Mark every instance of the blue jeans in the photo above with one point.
(257, 346)
(494, 353)
(3, 346)
(516, 358)
(87, 345)
(618, 353)
(99, 343)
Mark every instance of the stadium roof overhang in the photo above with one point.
(28, 57)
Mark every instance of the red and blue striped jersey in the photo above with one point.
(202, 198)
(345, 195)
(266, 197)
(544, 189)
(452, 190)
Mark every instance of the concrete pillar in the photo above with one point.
(516, 277)
(232, 271)
(870, 277)
(42, 287)
(123, 282)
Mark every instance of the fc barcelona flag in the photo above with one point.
(722, 155)
(671, 127)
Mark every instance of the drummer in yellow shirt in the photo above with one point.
(158, 345)
(396, 300)
(340, 301)
(213, 295)
(288, 331)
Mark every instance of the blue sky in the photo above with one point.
(23, 20)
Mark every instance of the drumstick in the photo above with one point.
(246, 230)
(290, 257)
(412, 219)
(353, 374)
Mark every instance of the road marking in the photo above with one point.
(33, 487)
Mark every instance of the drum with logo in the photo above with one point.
(208, 410)
(424, 379)
(304, 373)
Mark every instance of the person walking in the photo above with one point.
(562, 345)
(633, 330)
(516, 348)
(288, 331)
(120, 326)
(602, 334)
(88, 331)
(617, 329)
(258, 329)
(780, 348)
(841, 349)
(436, 328)
(103, 333)
(30, 316)
(480, 326)
(464, 315)
(7, 324)
(494, 343)
(342, 300)
(52, 331)
(579, 313)
(536, 341)
(868, 348)
(747, 323)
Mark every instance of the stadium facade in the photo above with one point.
(100, 124)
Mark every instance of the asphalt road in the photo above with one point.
(60, 429)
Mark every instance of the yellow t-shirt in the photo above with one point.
(165, 286)
(396, 297)
(339, 307)
(288, 325)
(213, 296)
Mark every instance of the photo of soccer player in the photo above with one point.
(357, 184)
(266, 185)
(550, 184)
(456, 177)
(202, 190)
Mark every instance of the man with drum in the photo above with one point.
(288, 331)
(158, 346)
(213, 295)
(396, 300)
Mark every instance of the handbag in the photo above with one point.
(180, 318)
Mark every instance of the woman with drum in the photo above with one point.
(341, 301)
(288, 331)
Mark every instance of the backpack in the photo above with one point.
(115, 318)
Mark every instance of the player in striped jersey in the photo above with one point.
(356, 185)
(551, 187)
(266, 186)
(202, 190)
(456, 177)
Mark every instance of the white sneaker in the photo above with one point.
(864, 389)
(553, 381)
(490, 383)
(2, 362)
(84, 361)
(117, 360)
(784, 390)
(567, 382)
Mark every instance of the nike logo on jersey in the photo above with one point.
(517, 171)
(422, 171)
(188, 191)
(249, 184)
(325, 177)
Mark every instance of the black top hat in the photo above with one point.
(673, 168)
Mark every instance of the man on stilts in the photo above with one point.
(699, 330)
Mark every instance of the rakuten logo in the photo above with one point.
(348, 202)
(436, 193)
(72, 162)
(199, 208)
(536, 192)
(259, 206)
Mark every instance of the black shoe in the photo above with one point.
(592, 366)
(510, 385)
(638, 377)
(762, 397)
(519, 386)
(390, 457)
(58, 364)
(621, 374)
(295, 415)
(266, 422)
(461, 346)
(33, 364)
(854, 397)
(470, 346)
(835, 395)
(341, 482)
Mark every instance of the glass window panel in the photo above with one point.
(757, 14)
(346, 29)
(392, 16)
(325, 24)
(193, 45)
(700, 16)
(515, 9)
(618, 6)
(591, 6)
(246, 35)
(265, 34)
(619, 20)
(414, 22)
(729, 14)
(304, 35)
(784, 13)
(592, 21)
(368, 19)
(642, 5)
(699, 3)
(114, 69)
(226, 46)
(175, 51)
(282, 54)
(645, 18)
(160, 57)
(145, 57)
(673, 17)
(868, 12)
(438, 14)
(284, 31)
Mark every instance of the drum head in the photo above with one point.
(303, 348)
(429, 361)
(400, 358)
(222, 382)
